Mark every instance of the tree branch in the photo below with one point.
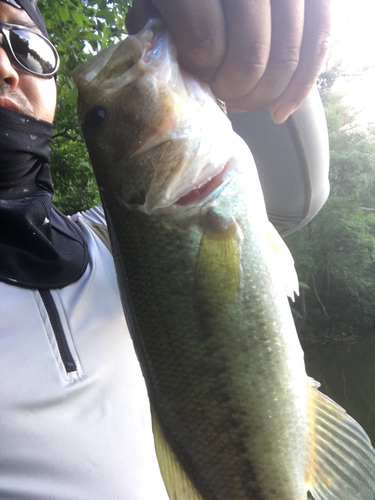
(63, 134)
(317, 296)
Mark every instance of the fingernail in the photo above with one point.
(283, 112)
(235, 109)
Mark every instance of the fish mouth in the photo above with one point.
(191, 194)
(150, 38)
(199, 194)
(194, 193)
(123, 63)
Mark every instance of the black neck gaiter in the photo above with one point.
(39, 246)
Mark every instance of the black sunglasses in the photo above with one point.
(29, 51)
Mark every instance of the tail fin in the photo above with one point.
(343, 459)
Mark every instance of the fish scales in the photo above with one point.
(203, 280)
(195, 363)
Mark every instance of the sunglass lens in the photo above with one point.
(32, 51)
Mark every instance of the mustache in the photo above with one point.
(20, 100)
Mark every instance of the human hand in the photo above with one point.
(253, 53)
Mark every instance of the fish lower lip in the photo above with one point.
(197, 195)
(151, 40)
(5, 102)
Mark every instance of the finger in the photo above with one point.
(248, 26)
(199, 30)
(138, 15)
(314, 50)
(287, 31)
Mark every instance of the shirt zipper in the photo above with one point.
(62, 344)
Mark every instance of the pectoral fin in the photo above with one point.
(343, 459)
(218, 269)
(177, 483)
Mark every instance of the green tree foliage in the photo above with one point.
(335, 259)
(77, 29)
(335, 253)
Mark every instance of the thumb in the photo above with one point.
(140, 12)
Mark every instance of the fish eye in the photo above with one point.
(94, 117)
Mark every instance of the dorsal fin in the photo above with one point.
(282, 261)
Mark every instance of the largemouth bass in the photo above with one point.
(204, 280)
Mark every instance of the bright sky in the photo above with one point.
(354, 44)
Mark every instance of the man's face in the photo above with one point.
(22, 91)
